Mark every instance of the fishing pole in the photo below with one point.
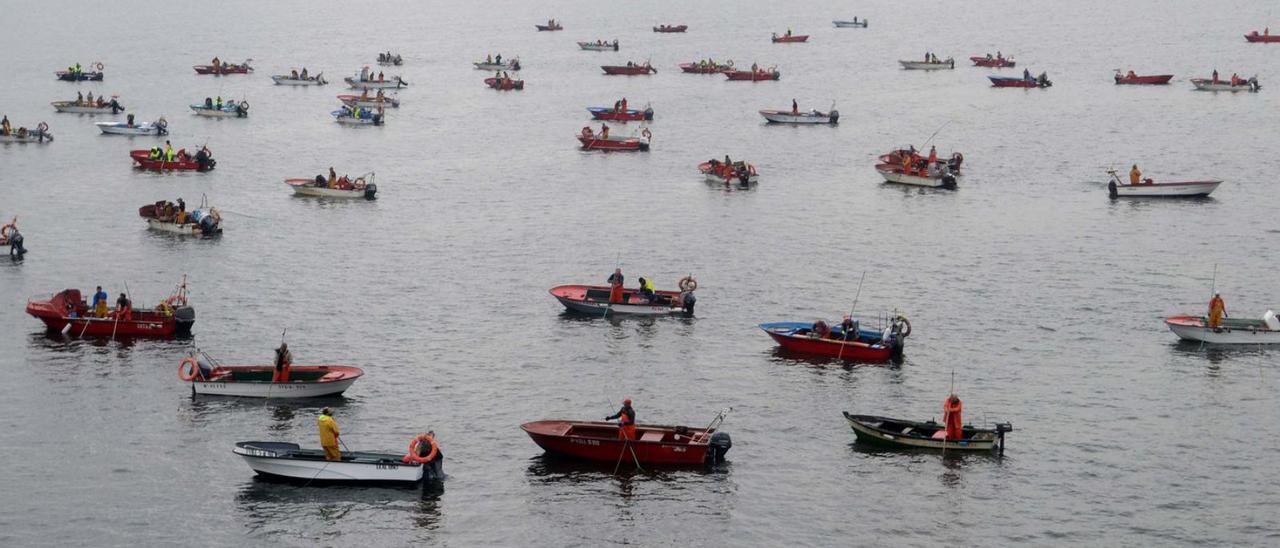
(840, 354)
(935, 133)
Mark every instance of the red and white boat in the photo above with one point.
(1151, 189)
(1212, 84)
(374, 102)
(703, 67)
(1133, 79)
(594, 300)
(907, 167)
(653, 444)
(630, 69)
(181, 161)
(988, 61)
(67, 310)
(620, 114)
(1264, 38)
(362, 187)
(225, 68)
(817, 338)
(207, 376)
(1232, 331)
(504, 84)
(670, 28)
(740, 173)
(789, 38)
(758, 75)
(591, 141)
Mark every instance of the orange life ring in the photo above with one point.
(413, 449)
(906, 324)
(186, 375)
(5, 230)
(98, 66)
(687, 283)
(586, 132)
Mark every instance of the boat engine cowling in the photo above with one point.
(186, 317)
(835, 116)
(948, 180)
(688, 302)
(719, 445)
(370, 191)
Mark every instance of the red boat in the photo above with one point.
(1041, 81)
(820, 340)
(669, 28)
(653, 445)
(591, 141)
(630, 69)
(225, 68)
(504, 84)
(1264, 38)
(704, 68)
(993, 62)
(1135, 80)
(754, 76)
(67, 308)
(790, 38)
(181, 161)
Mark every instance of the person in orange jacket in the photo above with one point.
(951, 417)
(626, 421)
(1217, 311)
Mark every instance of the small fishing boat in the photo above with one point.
(758, 75)
(23, 135)
(202, 161)
(362, 187)
(653, 444)
(906, 166)
(621, 115)
(221, 68)
(157, 128)
(1264, 38)
(291, 463)
(795, 116)
(945, 64)
(1151, 189)
(74, 74)
(740, 173)
(854, 24)
(670, 28)
(789, 38)
(1232, 331)
(1041, 81)
(12, 238)
(359, 116)
(388, 59)
(846, 340)
(166, 217)
(599, 45)
(702, 67)
(630, 69)
(370, 82)
(230, 109)
(988, 61)
(595, 300)
(551, 25)
(292, 80)
(900, 433)
(504, 84)
(510, 65)
(67, 310)
(1132, 79)
(81, 107)
(591, 141)
(209, 377)
(1210, 84)
(374, 102)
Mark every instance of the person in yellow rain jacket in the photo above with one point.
(329, 435)
(1135, 175)
(1217, 310)
(168, 152)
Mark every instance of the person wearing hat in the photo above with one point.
(626, 420)
(100, 303)
(329, 435)
(284, 360)
(1217, 311)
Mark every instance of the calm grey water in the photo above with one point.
(1042, 296)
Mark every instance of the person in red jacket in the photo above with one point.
(626, 421)
(951, 411)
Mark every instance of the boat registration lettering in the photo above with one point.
(680, 449)
(388, 466)
(579, 441)
(258, 452)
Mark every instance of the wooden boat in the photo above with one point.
(947, 64)
(740, 173)
(39, 135)
(67, 310)
(291, 463)
(850, 24)
(255, 381)
(599, 46)
(797, 117)
(553, 26)
(591, 141)
(1151, 189)
(78, 107)
(512, 65)
(504, 84)
(69, 76)
(670, 28)
(289, 80)
(630, 69)
(157, 128)
(374, 102)
(202, 221)
(1264, 38)
(389, 60)
(593, 300)
(925, 435)
(819, 339)
(628, 115)
(654, 444)
(1132, 79)
(181, 161)
(1041, 81)
(760, 75)
(789, 38)
(394, 82)
(993, 62)
(366, 117)
(225, 68)
(362, 187)
(1208, 84)
(1232, 331)
(230, 109)
(703, 68)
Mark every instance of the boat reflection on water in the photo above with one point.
(274, 505)
(780, 355)
(1217, 354)
(549, 468)
(954, 463)
(284, 413)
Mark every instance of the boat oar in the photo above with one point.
(840, 354)
(119, 312)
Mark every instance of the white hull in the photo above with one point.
(63, 106)
(495, 66)
(1208, 85)
(390, 102)
(116, 128)
(321, 192)
(597, 47)
(374, 84)
(254, 389)
(802, 118)
(215, 113)
(282, 80)
(320, 470)
(28, 139)
(912, 180)
(849, 24)
(717, 179)
(186, 229)
(920, 65)
(1225, 336)
(1166, 190)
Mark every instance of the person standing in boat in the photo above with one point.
(1135, 175)
(329, 435)
(168, 151)
(284, 361)
(615, 286)
(364, 73)
(100, 303)
(124, 308)
(626, 421)
(1217, 311)
(951, 417)
(795, 107)
(1215, 76)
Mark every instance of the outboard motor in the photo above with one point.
(744, 176)
(185, 317)
(648, 113)
(688, 302)
(377, 119)
(948, 180)
(835, 116)
(202, 160)
(434, 470)
(719, 445)
(208, 225)
(370, 191)
(16, 250)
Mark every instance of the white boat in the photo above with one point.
(713, 174)
(1232, 330)
(387, 101)
(346, 116)
(944, 178)
(362, 187)
(158, 127)
(257, 381)
(1207, 84)
(75, 107)
(947, 64)
(290, 462)
(202, 221)
(289, 80)
(850, 24)
(594, 46)
(39, 135)
(1185, 189)
(810, 117)
(512, 65)
(229, 109)
(386, 83)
